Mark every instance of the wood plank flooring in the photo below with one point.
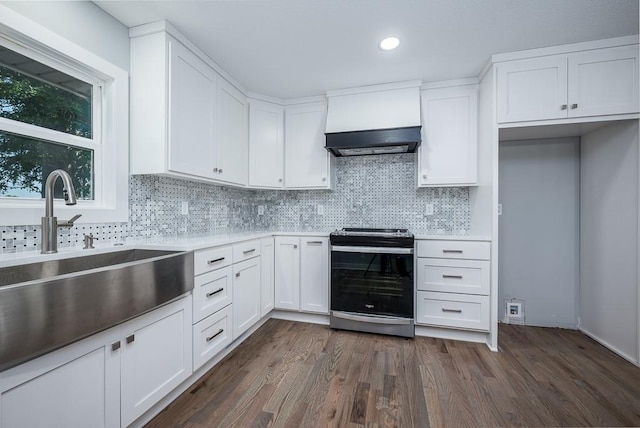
(291, 374)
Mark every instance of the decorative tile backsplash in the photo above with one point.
(370, 191)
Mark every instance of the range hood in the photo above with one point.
(374, 120)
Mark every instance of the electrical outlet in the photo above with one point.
(260, 209)
(184, 210)
(320, 209)
(428, 209)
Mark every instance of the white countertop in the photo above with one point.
(172, 243)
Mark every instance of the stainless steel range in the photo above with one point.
(372, 286)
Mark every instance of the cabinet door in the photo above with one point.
(314, 275)
(287, 273)
(156, 357)
(76, 386)
(246, 295)
(603, 81)
(266, 144)
(532, 89)
(267, 261)
(232, 136)
(448, 154)
(307, 162)
(191, 113)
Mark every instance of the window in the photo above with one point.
(61, 106)
(47, 123)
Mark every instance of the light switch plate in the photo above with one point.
(184, 210)
(260, 209)
(320, 209)
(428, 209)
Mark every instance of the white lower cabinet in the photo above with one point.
(106, 380)
(453, 284)
(211, 336)
(246, 295)
(453, 310)
(314, 275)
(287, 273)
(156, 357)
(267, 265)
(302, 274)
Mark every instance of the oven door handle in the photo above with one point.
(371, 318)
(371, 250)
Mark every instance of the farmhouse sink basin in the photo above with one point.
(50, 304)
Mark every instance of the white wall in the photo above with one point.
(609, 237)
(539, 229)
(83, 23)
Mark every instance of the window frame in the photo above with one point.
(110, 126)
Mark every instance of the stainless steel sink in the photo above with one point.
(50, 304)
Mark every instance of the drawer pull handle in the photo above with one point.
(457, 311)
(115, 346)
(452, 251)
(214, 292)
(248, 251)
(315, 242)
(215, 260)
(444, 275)
(210, 338)
(131, 338)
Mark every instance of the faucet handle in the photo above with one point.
(88, 241)
(69, 223)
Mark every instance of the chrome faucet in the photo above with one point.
(49, 222)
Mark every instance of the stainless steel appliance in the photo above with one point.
(372, 287)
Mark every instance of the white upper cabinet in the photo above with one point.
(308, 165)
(582, 84)
(603, 81)
(186, 120)
(232, 134)
(191, 113)
(266, 144)
(532, 89)
(448, 154)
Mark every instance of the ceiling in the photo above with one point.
(297, 48)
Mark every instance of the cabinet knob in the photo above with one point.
(295, 246)
(280, 180)
(238, 275)
(424, 176)
(574, 106)
(215, 169)
(220, 170)
(324, 178)
(563, 107)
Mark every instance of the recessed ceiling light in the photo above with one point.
(389, 43)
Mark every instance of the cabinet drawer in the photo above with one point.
(454, 249)
(211, 259)
(453, 310)
(211, 292)
(246, 250)
(211, 336)
(453, 276)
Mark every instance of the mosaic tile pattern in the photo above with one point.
(370, 191)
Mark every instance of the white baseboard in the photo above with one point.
(300, 317)
(609, 346)
(453, 334)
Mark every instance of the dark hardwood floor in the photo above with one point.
(303, 375)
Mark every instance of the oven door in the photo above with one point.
(372, 280)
